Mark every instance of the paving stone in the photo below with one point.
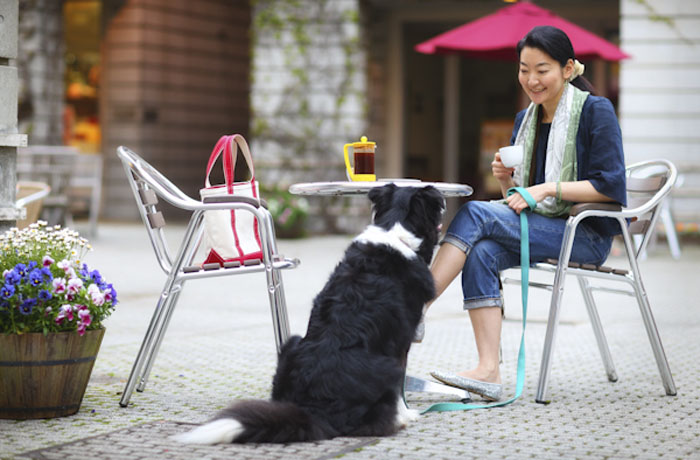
(220, 347)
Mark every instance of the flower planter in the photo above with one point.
(45, 376)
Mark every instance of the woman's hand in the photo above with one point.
(503, 175)
(539, 192)
(500, 172)
(578, 192)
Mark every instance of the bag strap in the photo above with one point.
(525, 269)
(236, 141)
(228, 146)
(216, 151)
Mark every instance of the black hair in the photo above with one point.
(556, 44)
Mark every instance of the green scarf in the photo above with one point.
(561, 164)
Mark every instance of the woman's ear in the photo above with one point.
(568, 69)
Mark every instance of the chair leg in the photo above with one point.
(160, 333)
(656, 345)
(670, 227)
(275, 287)
(554, 309)
(146, 347)
(597, 329)
(548, 348)
(278, 308)
(648, 318)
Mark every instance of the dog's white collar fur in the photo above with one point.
(398, 238)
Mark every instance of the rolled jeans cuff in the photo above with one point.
(471, 304)
(456, 242)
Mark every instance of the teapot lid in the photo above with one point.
(363, 142)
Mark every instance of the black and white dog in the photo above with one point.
(345, 377)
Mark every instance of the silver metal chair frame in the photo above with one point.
(148, 185)
(650, 206)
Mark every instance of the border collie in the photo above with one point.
(345, 377)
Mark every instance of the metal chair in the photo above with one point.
(645, 198)
(148, 185)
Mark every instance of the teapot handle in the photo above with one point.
(350, 170)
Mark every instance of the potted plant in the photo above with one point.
(288, 211)
(51, 311)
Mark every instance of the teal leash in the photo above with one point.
(525, 280)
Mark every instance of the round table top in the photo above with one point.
(361, 188)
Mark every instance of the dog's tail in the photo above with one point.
(259, 421)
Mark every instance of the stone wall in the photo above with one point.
(40, 68)
(308, 99)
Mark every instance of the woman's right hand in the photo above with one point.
(500, 172)
(503, 175)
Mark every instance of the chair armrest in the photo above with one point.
(235, 199)
(580, 207)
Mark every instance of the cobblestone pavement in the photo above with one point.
(220, 347)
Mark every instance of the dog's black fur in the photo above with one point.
(345, 377)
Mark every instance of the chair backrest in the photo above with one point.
(648, 184)
(147, 185)
(30, 195)
(53, 165)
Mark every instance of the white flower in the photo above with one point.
(74, 285)
(64, 265)
(97, 298)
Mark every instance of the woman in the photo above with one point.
(573, 153)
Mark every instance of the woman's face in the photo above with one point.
(542, 77)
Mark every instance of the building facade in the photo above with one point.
(660, 93)
(301, 79)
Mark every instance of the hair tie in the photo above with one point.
(578, 69)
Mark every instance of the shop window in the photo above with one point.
(82, 74)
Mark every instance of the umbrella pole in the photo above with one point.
(450, 165)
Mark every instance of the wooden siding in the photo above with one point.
(660, 87)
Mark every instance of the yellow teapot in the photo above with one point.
(363, 155)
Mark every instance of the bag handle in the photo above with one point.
(228, 146)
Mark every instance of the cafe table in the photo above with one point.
(336, 188)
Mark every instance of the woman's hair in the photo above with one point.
(556, 44)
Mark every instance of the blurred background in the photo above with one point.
(300, 78)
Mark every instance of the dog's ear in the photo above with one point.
(381, 196)
(434, 196)
(428, 201)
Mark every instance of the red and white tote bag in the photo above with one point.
(231, 235)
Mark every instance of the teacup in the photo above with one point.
(511, 156)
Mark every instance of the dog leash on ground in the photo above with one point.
(525, 275)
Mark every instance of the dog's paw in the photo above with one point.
(404, 415)
(219, 431)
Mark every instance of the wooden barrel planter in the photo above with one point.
(45, 376)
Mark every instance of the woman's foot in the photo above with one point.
(482, 375)
(488, 390)
(419, 335)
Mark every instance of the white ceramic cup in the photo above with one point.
(511, 156)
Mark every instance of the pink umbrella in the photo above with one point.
(495, 36)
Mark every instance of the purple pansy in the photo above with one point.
(27, 306)
(36, 277)
(7, 291)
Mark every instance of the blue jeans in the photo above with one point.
(489, 233)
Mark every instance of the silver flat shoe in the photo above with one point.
(488, 391)
(419, 335)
